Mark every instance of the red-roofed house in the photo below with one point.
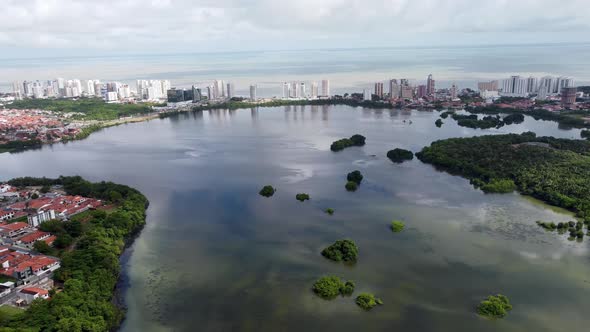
(13, 230)
(30, 239)
(30, 294)
(6, 215)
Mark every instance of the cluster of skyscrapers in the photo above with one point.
(298, 90)
(518, 86)
(109, 91)
(402, 89)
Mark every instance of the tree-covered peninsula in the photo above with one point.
(553, 170)
(354, 140)
(90, 266)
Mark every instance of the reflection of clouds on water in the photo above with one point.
(366, 162)
(298, 174)
(529, 255)
(422, 199)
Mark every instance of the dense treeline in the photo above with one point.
(16, 146)
(471, 121)
(569, 119)
(90, 270)
(92, 108)
(553, 170)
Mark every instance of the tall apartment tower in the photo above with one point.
(393, 89)
(325, 88)
(379, 89)
(253, 92)
(430, 86)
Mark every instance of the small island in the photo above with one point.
(267, 191)
(494, 306)
(329, 211)
(302, 197)
(355, 140)
(342, 251)
(330, 287)
(439, 123)
(368, 301)
(355, 176)
(397, 226)
(398, 156)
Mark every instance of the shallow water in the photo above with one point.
(216, 256)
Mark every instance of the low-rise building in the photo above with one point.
(30, 294)
(30, 239)
(41, 217)
(14, 229)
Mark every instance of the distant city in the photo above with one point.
(219, 90)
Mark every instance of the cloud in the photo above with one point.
(238, 24)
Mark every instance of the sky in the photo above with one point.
(38, 28)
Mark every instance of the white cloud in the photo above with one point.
(236, 24)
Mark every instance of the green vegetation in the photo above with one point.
(331, 286)
(499, 186)
(367, 301)
(355, 177)
(355, 140)
(341, 250)
(446, 114)
(566, 119)
(439, 123)
(550, 226)
(91, 108)
(351, 186)
(329, 211)
(90, 269)
(585, 134)
(17, 146)
(400, 155)
(302, 197)
(494, 306)
(397, 226)
(471, 121)
(513, 118)
(267, 191)
(553, 170)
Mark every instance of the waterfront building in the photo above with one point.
(124, 91)
(487, 86)
(175, 95)
(394, 89)
(197, 95)
(302, 90)
(422, 91)
(90, 87)
(325, 88)
(286, 90)
(367, 94)
(430, 89)
(568, 96)
(531, 85)
(253, 92)
(230, 90)
(314, 90)
(406, 92)
(379, 89)
(515, 86)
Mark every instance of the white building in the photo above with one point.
(286, 90)
(314, 90)
(253, 92)
(325, 88)
(515, 86)
(230, 91)
(367, 94)
(41, 217)
(112, 96)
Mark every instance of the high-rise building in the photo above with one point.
(422, 91)
(568, 96)
(90, 88)
(302, 90)
(38, 91)
(379, 89)
(562, 83)
(430, 86)
(406, 92)
(175, 95)
(197, 95)
(367, 94)
(325, 88)
(17, 91)
(294, 90)
(124, 91)
(531, 85)
(230, 90)
(487, 86)
(314, 90)
(253, 92)
(515, 86)
(286, 90)
(394, 89)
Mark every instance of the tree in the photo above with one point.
(342, 250)
(351, 186)
(355, 177)
(398, 155)
(494, 306)
(397, 226)
(302, 197)
(43, 248)
(34, 196)
(45, 189)
(367, 301)
(267, 191)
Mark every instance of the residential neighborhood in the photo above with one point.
(25, 274)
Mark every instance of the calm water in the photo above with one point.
(350, 70)
(216, 256)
